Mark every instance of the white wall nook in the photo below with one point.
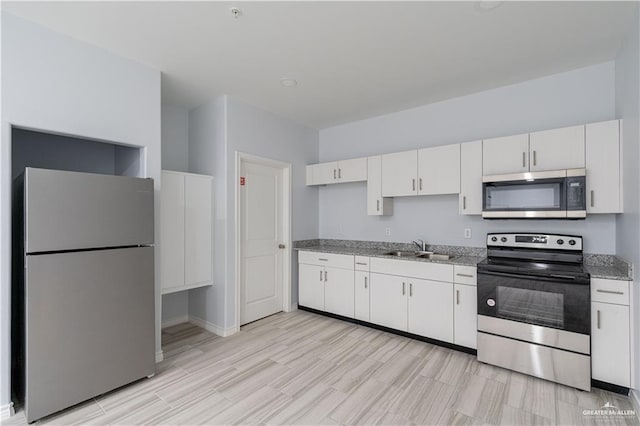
(459, 168)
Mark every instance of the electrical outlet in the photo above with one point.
(467, 232)
(387, 232)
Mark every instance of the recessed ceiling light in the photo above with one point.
(288, 82)
(486, 5)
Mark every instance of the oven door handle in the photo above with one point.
(568, 279)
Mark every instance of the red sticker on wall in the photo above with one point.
(242, 181)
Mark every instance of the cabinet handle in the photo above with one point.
(339, 173)
(378, 205)
(413, 183)
(323, 259)
(410, 290)
(464, 202)
(457, 297)
(420, 184)
(534, 157)
(320, 275)
(609, 291)
(361, 263)
(524, 159)
(403, 289)
(592, 198)
(465, 275)
(325, 276)
(365, 282)
(334, 173)
(598, 318)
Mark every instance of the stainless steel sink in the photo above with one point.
(402, 253)
(420, 254)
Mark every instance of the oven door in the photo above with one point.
(555, 302)
(540, 198)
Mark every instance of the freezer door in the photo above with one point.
(71, 210)
(89, 325)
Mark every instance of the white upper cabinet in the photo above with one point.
(557, 149)
(172, 230)
(400, 174)
(186, 231)
(198, 229)
(439, 170)
(354, 170)
(324, 173)
(376, 205)
(604, 177)
(471, 178)
(508, 154)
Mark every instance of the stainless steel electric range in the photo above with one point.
(534, 307)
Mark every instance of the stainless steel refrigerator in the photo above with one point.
(87, 309)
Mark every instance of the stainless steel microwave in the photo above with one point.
(556, 194)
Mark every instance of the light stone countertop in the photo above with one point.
(599, 266)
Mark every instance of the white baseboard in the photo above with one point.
(175, 321)
(634, 396)
(215, 329)
(6, 411)
(159, 356)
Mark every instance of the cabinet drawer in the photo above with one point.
(610, 291)
(362, 263)
(332, 260)
(464, 274)
(407, 268)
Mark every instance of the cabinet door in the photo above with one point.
(338, 291)
(376, 205)
(465, 315)
(471, 178)
(325, 173)
(172, 230)
(388, 301)
(439, 170)
(610, 349)
(603, 167)
(508, 154)
(354, 170)
(399, 174)
(198, 228)
(311, 286)
(557, 149)
(362, 296)
(431, 309)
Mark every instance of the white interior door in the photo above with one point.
(261, 232)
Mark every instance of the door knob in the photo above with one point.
(281, 246)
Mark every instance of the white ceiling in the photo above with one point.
(352, 59)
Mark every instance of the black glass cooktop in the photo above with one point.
(532, 267)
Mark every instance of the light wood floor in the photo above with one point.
(302, 368)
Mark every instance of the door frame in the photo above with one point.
(242, 157)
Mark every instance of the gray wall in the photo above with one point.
(231, 125)
(574, 97)
(175, 156)
(627, 108)
(56, 84)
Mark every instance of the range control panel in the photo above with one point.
(541, 241)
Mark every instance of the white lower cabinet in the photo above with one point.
(388, 301)
(361, 296)
(430, 309)
(338, 291)
(311, 286)
(610, 347)
(465, 315)
(438, 305)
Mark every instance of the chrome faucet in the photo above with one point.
(422, 246)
